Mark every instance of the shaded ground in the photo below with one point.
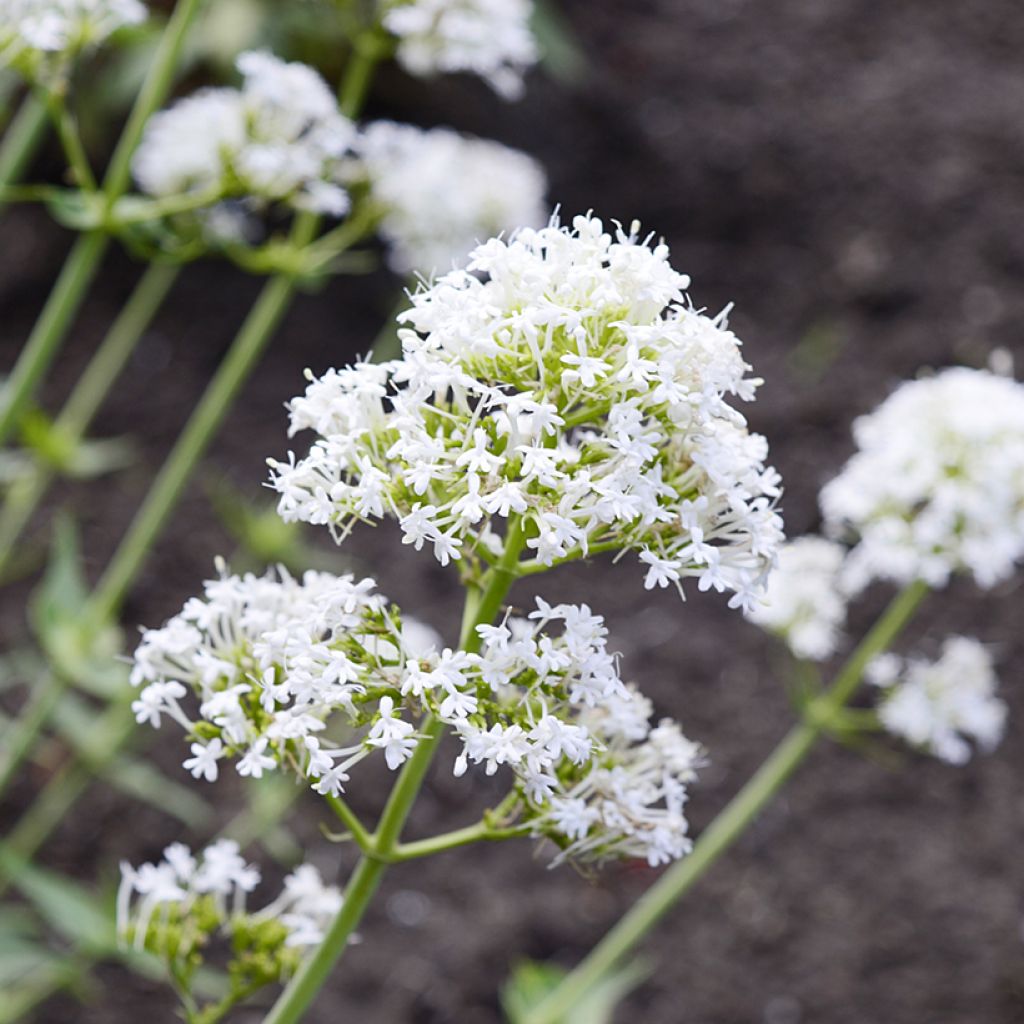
(851, 174)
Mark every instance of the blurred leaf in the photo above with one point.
(67, 454)
(532, 982)
(814, 354)
(141, 780)
(77, 647)
(69, 908)
(561, 52)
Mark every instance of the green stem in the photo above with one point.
(207, 416)
(728, 825)
(480, 832)
(308, 980)
(349, 818)
(106, 364)
(70, 140)
(21, 139)
(20, 736)
(84, 259)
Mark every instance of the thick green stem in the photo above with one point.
(623, 938)
(24, 495)
(482, 607)
(207, 416)
(70, 140)
(21, 140)
(84, 259)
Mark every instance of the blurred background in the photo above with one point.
(851, 175)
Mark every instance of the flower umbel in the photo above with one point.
(804, 603)
(440, 193)
(489, 38)
(937, 484)
(940, 705)
(562, 378)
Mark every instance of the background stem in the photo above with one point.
(24, 495)
(729, 824)
(82, 263)
(21, 140)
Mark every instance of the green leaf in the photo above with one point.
(531, 983)
(561, 52)
(67, 907)
(77, 647)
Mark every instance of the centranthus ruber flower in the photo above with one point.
(936, 486)
(804, 602)
(440, 193)
(276, 666)
(278, 138)
(40, 36)
(941, 705)
(562, 382)
(488, 38)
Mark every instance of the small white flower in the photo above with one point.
(203, 763)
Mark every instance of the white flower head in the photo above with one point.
(803, 602)
(279, 138)
(441, 193)
(488, 38)
(937, 483)
(40, 36)
(939, 706)
(564, 380)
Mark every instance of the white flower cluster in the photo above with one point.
(593, 773)
(271, 660)
(561, 383)
(34, 33)
(441, 192)
(488, 38)
(280, 137)
(804, 603)
(937, 485)
(940, 705)
(209, 892)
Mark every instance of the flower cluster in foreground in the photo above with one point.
(277, 665)
(803, 602)
(39, 36)
(279, 138)
(441, 193)
(176, 907)
(488, 38)
(937, 484)
(940, 705)
(561, 385)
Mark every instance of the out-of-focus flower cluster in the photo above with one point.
(441, 193)
(561, 382)
(175, 909)
(488, 38)
(937, 484)
(803, 602)
(271, 660)
(279, 138)
(39, 37)
(941, 705)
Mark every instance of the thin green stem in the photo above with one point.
(84, 259)
(309, 979)
(349, 818)
(480, 832)
(24, 495)
(70, 140)
(729, 824)
(20, 736)
(21, 139)
(207, 416)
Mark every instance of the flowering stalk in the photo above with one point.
(20, 140)
(733, 820)
(25, 493)
(481, 608)
(84, 258)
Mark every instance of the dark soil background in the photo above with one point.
(851, 175)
